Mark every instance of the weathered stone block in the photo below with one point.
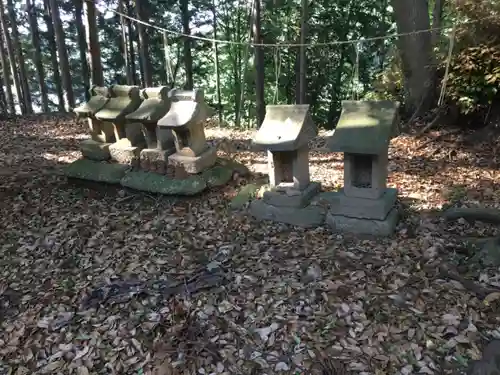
(365, 176)
(344, 224)
(156, 183)
(310, 216)
(291, 197)
(94, 150)
(362, 208)
(123, 153)
(94, 171)
(154, 155)
(195, 164)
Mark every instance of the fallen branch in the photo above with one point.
(434, 139)
(431, 124)
(487, 215)
(480, 291)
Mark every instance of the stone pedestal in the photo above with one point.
(194, 164)
(94, 150)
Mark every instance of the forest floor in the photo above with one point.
(102, 280)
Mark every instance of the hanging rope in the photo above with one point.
(168, 65)
(277, 69)
(355, 74)
(448, 63)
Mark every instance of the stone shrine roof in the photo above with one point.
(154, 106)
(365, 127)
(187, 108)
(99, 96)
(124, 100)
(285, 128)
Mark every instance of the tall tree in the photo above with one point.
(131, 38)
(56, 75)
(23, 77)
(12, 60)
(259, 65)
(142, 9)
(125, 41)
(63, 55)
(82, 45)
(216, 61)
(6, 78)
(188, 57)
(93, 47)
(37, 54)
(302, 89)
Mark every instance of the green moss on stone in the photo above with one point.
(96, 171)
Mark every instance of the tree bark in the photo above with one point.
(23, 77)
(216, 61)
(144, 45)
(82, 46)
(302, 91)
(37, 54)
(188, 58)
(63, 55)
(131, 38)
(6, 78)
(93, 47)
(53, 55)
(259, 66)
(416, 53)
(126, 56)
(12, 60)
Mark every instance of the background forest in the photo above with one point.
(52, 51)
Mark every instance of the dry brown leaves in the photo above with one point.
(297, 302)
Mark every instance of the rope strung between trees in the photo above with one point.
(448, 63)
(283, 45)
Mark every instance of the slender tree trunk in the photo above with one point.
(144, 44)
(259, 66)
(237, 72)
(37, 54)
(23, 77)
(82, 46)
(416, 53)
(93, 47)
(12, 60)
(53, 55)
(126, 57)
(63, 55)
(131, 38)
(188, 58)
(301, 98)
(6, 78)
(216, 60)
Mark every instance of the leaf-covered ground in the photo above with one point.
(98, 280)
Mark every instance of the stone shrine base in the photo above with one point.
(220, 174)
(194, 164)
(94, 150)
(345, 224)
(154, 159)
(123, 152)
(309, 216)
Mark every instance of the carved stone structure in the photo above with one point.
(285, 134)
(363, 133)
(186, 117)
(129, 139)
(159, 142)
(101, 132)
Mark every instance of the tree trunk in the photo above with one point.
(12, 60)
(63, 55)
(302, 89)
(53, 55)
(37, 54)
(82, 46)
(126, 57)
(23, 77)
(6, 78)
(93, 47)
(259, 66)
(144, 45)
(216, 61)
(188, 58)
(131, 38)
(416, 53)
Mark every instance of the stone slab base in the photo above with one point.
(95, 171)
(344, 224)
(361, 208)
(196, 164)
(156, 183)
(155, 160)
(94, 150)
(290, 197)
(310, 216)
(123, 153)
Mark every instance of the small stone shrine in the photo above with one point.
(129, 138)
(365, 205)
(96, 148)
(159, 142)
(285, 134)
(186, 117)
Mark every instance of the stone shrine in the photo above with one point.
(101, 132)
(365, 205)
(186, 117)
(159, 141)
(129, 138)
(285, 134)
